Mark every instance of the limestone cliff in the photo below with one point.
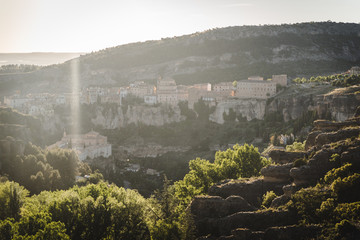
(139, 114)
(249, 108)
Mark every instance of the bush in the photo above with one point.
(296, 147)
(268, 197)
(336, 173)
(347, 189)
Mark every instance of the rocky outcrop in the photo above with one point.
(332, 144)
(326, 138)
(316, 168)
(341, 103)
(283, 157)
(277, 173)
(295, 232)
(251, 190)
(216, 207)
(139, 114)
(249, 108)
(255, 221)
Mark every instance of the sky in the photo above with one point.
(92, 25)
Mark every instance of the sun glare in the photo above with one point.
(75, 96)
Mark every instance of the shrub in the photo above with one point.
(268, 197)
(336, 173)
(347, 189)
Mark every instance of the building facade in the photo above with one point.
(90, 145)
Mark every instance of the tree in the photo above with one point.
(12, 197)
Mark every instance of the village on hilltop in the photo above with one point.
(165, 92)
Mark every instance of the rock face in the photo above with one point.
(341, 103)
(277, 173)
(251, 190)
(249, 108)
(215, 206)
(283, 157)
(292, 232)
(326, 138)
(251, 220)
(139, 114)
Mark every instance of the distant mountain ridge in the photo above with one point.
(37, 58)
(223, 54)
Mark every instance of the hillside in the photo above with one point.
(224, 54)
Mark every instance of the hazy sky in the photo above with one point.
(91, 25)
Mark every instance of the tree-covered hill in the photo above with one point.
(224, 54)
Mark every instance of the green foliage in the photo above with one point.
(305, 203)
(338, 80)
(18, 68)
(336, 173)
(347, 188)
(99, 211)
(296, 147)
(268, 197)
(96, 177)
(203, 111)
(12, 197)
(39, 169)
(240, 162)
(185, 111)
(170, 220)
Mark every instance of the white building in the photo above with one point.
(90, 145)
(150, 99)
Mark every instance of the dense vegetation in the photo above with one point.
(18, 68)
(338, 80)
(103, 211)
(38, 169)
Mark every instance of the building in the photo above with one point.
(197, 92)
(166, 91)
(224, 89)
(255, 89)
(280, 79)
(141, 89)
(90, 145)
(16, 101)
(182, 93)
(150, 99)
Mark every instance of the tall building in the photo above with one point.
(166, 91)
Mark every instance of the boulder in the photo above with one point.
(277, 173)
(255, 221)
(310, 140)
(215, 206)
(251, 190)
(315, 169)
(294, 232)
(282, 157)
(279, 201)
(326, 138)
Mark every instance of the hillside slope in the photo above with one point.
(224, 54)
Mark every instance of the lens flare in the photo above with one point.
(75, 92)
